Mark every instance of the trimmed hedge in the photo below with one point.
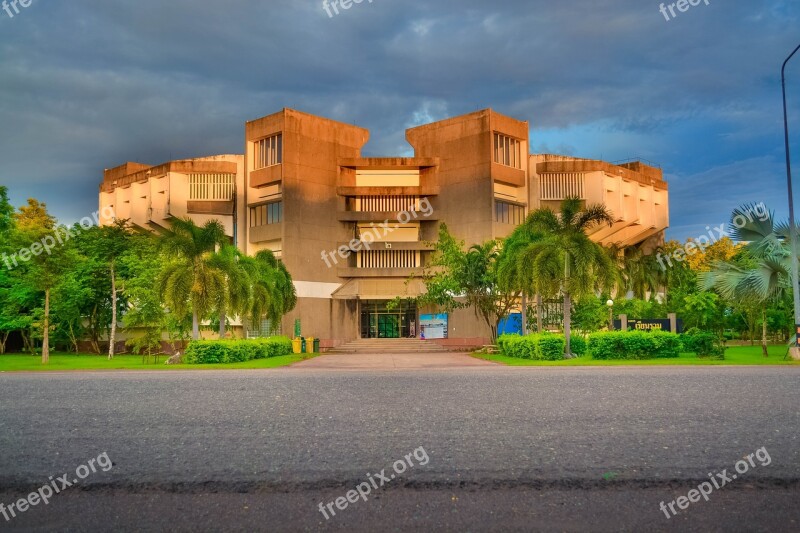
(543, 347)
(235, 351)
(634, 345)
(578, 345)
(704, 344)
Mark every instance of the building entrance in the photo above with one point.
(379, 320)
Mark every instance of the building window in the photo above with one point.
(507, 213)
(389, 259)
(269, 151)
(396, 204)
(263, 215)
(211, 187)
(507, 151)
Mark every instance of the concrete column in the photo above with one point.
(673, 322)
(623, 322)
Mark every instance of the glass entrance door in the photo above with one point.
(379, 320)
(389, 326)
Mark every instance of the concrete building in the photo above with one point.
(354, 231)
(202, 189)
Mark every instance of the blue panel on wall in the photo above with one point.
(512, 324)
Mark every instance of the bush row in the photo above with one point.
(703, 343)
(236, 351)
(634, 345)
(543, 346)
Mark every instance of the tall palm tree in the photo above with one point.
(763, 276)
(565, 260)
(510, 274)
(640, 273)
(273, 292)
(479, 279)
(238, 285)
(191, 282)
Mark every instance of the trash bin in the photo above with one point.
(309, 344)
(297, 346)
(316, 345)
(302, 345)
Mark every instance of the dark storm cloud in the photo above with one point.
(88, 84)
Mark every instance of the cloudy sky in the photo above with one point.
(86, 85)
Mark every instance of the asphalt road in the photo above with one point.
(566, 449)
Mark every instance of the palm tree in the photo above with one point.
(479, 279)
(565, 260)
(641, 274)
(272, 290)
(763, 275)
(238, 286)
(510, 273)
(191, 281)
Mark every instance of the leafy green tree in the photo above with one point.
(42, 269)
(6, 212)
(141, 265)
(106, 245)
(703, 310)
(70, 295)
(590, 313)
(191, 282)
(458, 278)
(8, 313)
(565, 260)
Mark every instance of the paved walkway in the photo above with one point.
(386, 361)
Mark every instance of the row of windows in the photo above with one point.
(387, 203)
(263, 215)
(269, 151)
(388, 259)
(507, 213)
(211, 186)
(507, 151)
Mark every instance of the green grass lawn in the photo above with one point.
(61, 362)
(736, 355)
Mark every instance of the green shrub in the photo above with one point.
(515, 346)
(578, 345)
(703, 344)
(544, 347)
(634, 345)
(665, 344)
(236, 351)
(549, 347)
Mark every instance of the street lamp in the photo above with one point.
(792, 228)
(610, 305)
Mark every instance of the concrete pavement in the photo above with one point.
(390, 361)
(510, 449)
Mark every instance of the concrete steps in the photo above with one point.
(372, 346)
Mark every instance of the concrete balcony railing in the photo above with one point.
(353, 272)
(418, 246)
(270, 232)
(381, 216)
